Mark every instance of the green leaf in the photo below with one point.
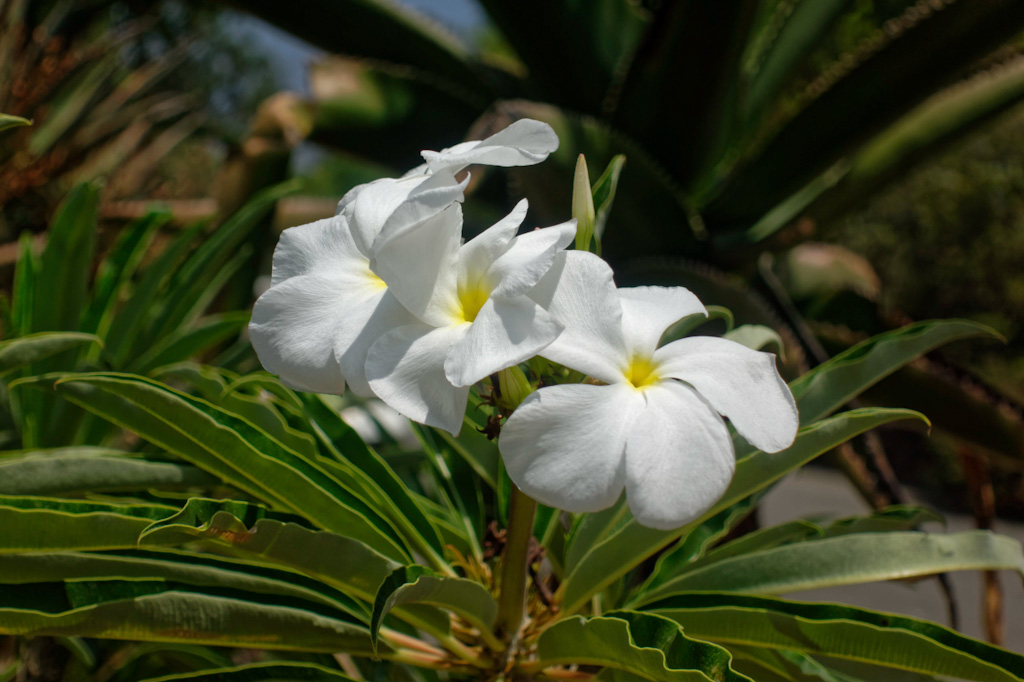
(182, 344)
(645, 189)
(62, 471)
(7, 121)
(695, 543)
(183, 567)
(647, 646)
(755, 336)
(129, 324)
(610, 559)
(848, 560)
(458, 490)
(231, 448)
(71, 101)
(479, 453)
(601, 34)
(35, 524)
(806, 26)
(925, 130)
(764, 538)
(394, 498)
(604, 194)
(198, 278)
(26, 278)
(26, 350)
(271, 671)
(896, 517)
(406, 585)
(139, 659)
(679, 96)
(66, 263)
(116, 270)
(782, 665)
(832, 384)
(589, 529)
(842, 632)
(167, 611)
(887, 75)
(687, 556)
(211, 383)
(342, 562)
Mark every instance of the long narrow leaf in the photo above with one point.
(230, 447)
(65, 471)
(187, 343)
(848, 560)
(645, 646)
(66, 263)
(842, 632)
(34, 524)
(342, 562)
(832, 384)
(117, 269)
(35, 347)
(165, 611)
(196, 274)
(260, 672)
(182, 567)
(397, 500)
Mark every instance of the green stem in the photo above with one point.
(446, 640)
(422, 660)
(512, 597)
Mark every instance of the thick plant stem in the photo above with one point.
(512, 598)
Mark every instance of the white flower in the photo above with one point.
(473, 317)
(325, 305)
(655, 428)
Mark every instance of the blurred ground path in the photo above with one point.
(819, 492)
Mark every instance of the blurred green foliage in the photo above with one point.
(948, 240)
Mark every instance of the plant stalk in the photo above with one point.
(512, 597)
(446, 640)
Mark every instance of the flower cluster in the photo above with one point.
(385, 298)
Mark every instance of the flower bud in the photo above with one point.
(583, 206)
(514, 387)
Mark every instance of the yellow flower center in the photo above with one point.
(374, 280)
(641, 372)
(471, 299)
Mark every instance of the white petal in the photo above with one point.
(564, 446)
(740, 383)
(679, 457)
(648, 311)
(324, 247)
(406, 370)
(349, 197)
(506, 331)
(421, 169)
(419, 267)
(431, 196)
(294, 327)
(364, 322)
(523, 143)
(372, 204)
(579, 292)
(477, 255)
(528, 258)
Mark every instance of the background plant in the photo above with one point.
(737, 121)
(413, 79)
